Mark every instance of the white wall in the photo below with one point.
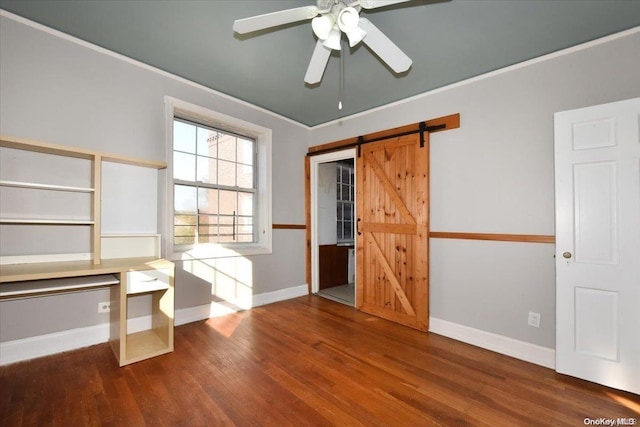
(327, 204)
(57, 90)
(495, 175)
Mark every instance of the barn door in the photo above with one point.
(392, 204)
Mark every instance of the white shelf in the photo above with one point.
(82, 153)
(38, 186)
(45, 221)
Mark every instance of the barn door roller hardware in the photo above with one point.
(424, 128)
(435, 125)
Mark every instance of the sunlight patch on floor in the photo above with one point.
(634, 406)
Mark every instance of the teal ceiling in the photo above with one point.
(448, 41)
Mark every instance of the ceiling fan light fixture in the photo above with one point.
(348, 19)
(322, 26)
(355, 36)
(348, 22)
(333, 40)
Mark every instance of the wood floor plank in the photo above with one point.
(302, 362)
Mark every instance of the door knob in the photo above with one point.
(566, 255)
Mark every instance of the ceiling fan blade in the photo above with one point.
(372, 4)
(385, 48)
(318, 63)
(274, 19)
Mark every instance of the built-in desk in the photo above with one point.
(125, 277)
(69, 195)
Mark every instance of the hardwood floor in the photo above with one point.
(306, 361)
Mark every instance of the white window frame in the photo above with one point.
(263, 217)
(351, 202)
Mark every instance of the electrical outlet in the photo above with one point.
(534, 319)
(104, 307)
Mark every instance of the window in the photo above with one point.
(219, 179)
(213, 185)
(345, 195)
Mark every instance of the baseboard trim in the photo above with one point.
(528, 352)
(57, 342)
(280, 295)
(220, 308)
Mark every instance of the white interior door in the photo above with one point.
(597, 166)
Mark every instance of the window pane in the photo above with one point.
(184, 137)
(184, 166)
(184, 199)
(228, 202)
(207, 170)
(244, 176)
(227, 147)
(346, 230)
(348, 211)
(184, 240)
(245, 238)
(226, 228)
(208, 142)
(245, 151)
(207, 201)
(207, 228)
(245, 204)
(207, 238)
(226, 238)
(345, 175)
(226, 173)
(244, 227)
(345, 192)
(185, 220)
(184, 229)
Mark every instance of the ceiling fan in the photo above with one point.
(331, 18)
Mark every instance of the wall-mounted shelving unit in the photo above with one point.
(94, 190)
(126, 277)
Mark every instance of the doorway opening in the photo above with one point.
(333, 226)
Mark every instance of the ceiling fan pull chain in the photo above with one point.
(341, 84)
